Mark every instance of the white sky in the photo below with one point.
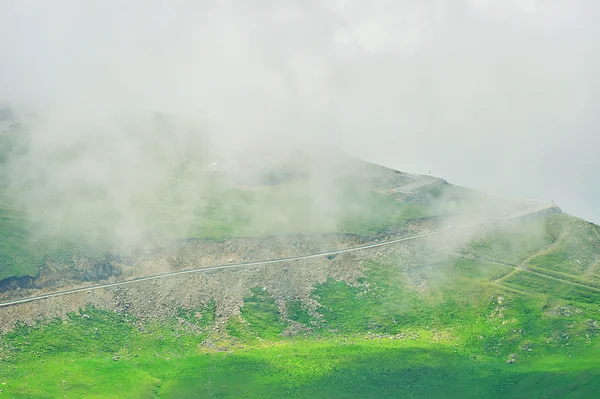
(498, 95)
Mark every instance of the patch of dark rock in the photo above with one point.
(12, 283)
(89, 269)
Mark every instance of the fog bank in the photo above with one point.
(495, 95)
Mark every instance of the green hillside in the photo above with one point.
(512, 313)
(45, 220)
(509, 309)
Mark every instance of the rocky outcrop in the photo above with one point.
(12, 283)
(86, 269)
(89, 269)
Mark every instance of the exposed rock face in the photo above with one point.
(12, 283)
(51, 275)
(93, 269)
(284, 280)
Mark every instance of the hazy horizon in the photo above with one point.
(499, 96)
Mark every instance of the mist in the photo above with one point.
(496, 95)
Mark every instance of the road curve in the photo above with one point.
(418, 181)
(267, 262)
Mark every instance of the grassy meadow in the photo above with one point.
(514, 313)
(379, 337)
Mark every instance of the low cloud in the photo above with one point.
(496, 95)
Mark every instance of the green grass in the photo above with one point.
(262, 315)
(285, 209)
(376, 368)
(379, 337)
(379, 368)
(298, 312)
(545, 285)
(85, 222)
(450, 199)
(559, 243)
(512, 244)
(22, 251)
(192, 207)
(478, 269)
(204, 316)
(577, 249)
(589, 281)
(158, 363)
(17, 257)
(347, 196)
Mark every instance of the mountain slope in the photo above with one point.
(508, 311)
(375, 283)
